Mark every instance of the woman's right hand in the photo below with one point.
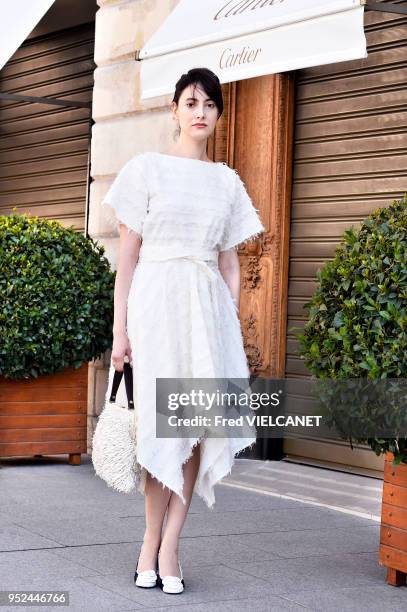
(121, 348)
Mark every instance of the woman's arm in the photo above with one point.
(129, 248)
(230, 269)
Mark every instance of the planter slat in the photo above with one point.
(22, 393)
(394, 476)
(41, 435)
(393, 557)
(391, 536)
(393, 515)
(43, 407)
(38, 420)
(395, 495)
(70, 377)
(24, 449)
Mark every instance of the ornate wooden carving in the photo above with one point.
(250, 275)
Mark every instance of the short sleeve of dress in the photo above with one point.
(244, 223)
(127, 197)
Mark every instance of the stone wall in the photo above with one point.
(124, 126)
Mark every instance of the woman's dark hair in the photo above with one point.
(207, 79)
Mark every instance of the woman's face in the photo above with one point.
(197, 114)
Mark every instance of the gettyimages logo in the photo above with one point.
(227, 407)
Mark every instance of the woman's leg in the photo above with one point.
(156, 500)
(176, 516)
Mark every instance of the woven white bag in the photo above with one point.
(114, 443)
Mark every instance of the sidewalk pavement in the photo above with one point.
(62, 528)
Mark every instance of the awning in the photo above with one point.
(240, 39)
(17, 20)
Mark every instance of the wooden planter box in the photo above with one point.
(45, 416)
(393, 533)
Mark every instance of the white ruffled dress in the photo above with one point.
(181, 319)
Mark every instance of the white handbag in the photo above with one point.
(114, 444)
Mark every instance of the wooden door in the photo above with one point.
(254, 136)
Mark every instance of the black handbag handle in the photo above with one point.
(128, 380)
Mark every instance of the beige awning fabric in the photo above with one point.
(240, 39)
(17, 20)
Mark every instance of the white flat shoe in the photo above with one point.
(147, 578)
(171, 584)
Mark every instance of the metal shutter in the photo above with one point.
(43, 148)
(350, 157)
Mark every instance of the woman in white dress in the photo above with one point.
(176, 304)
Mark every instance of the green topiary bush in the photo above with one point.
(56, 298)
(357, 325)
